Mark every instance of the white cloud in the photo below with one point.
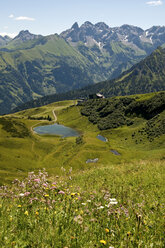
(11, 16)
(155, 3)
(24, 18)
(12, 35)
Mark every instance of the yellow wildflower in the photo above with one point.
(145, 222)
(46, 195)
(106, 230)
(72, 194)
(26, 213)
(103, 242)
(37, 213)
(19, 206)
(81, 212)
(128, 233)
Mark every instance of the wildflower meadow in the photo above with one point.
(115, 206)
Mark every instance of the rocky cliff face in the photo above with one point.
(101, 35)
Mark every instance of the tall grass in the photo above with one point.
(115, 206)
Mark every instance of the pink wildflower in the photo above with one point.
(61, 192)
(37, 180)
(45, 185)
(26, 193)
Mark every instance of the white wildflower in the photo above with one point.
(101, 207)
(21, 194)
(113, 201)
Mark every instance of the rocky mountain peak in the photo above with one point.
(25, 35)
(87, 24)
(102, 35)
(4, 40)
(101, 25)
(75, 26)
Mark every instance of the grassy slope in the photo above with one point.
(42, 64)
(76, 210)
(19, 155)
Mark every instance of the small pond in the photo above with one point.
(57, 130)
(102, 138)
(115, 152)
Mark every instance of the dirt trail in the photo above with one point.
(55, 116)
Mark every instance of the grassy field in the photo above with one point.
(111, 206)
(21, 150)
(117, 202)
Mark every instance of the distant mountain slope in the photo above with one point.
(4, 40)
(23, 40)
(145, 77)
(49, 65)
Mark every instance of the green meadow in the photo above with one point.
(116, 202)
(118, 205)
(22, 150)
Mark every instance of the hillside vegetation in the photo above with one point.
(145, 77)
(117, 112)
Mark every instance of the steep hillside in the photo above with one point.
(47, 66)
(147, 76)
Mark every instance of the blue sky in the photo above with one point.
(54, 16)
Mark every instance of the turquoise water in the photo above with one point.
(56, 129)
(102, 138)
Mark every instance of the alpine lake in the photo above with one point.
(56, 129)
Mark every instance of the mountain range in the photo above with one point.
(32, 65)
